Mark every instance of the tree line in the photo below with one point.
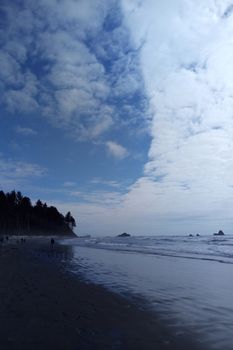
(19, 217)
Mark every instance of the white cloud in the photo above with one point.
(10, 70)
(22, 99)
(116, 150)
(59, 61)
(25, 131)
(18, 169)
(188, 76)
(110, 183)
(186, 58)
(13, 173)
(69, 184)
(104, 199)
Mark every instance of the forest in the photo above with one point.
(19, 217)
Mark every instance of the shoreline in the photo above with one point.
(44, 307)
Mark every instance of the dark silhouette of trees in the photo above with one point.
(69, 220)
(19, 217)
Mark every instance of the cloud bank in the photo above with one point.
(186, 56)
(71, 62)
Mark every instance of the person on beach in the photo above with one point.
(52, 243)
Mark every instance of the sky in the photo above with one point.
(120, 111)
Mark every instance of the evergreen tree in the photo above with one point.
(19, 216)
(70, 221)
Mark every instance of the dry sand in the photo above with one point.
(42, 307)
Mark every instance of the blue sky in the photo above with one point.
(120, 111)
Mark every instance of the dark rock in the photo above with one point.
(124, 235)
(220, 233)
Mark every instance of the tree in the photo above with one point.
(19, 216)
(39, 204)
(26, 212)
(70, 220)
(3, 212)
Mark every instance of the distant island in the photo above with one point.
(19, 217)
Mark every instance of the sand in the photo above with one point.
(44, 307)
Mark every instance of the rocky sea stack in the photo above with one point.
(124, 235)
(220, 233)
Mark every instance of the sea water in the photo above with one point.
(188, 281)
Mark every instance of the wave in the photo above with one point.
(203, 248)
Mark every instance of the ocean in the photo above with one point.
(187, 281)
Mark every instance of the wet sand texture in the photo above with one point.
(44, 308)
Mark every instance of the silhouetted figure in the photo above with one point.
(52, 243)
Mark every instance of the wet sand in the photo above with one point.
(44, 307)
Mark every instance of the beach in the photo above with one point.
(45, 307)
(185, 281)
